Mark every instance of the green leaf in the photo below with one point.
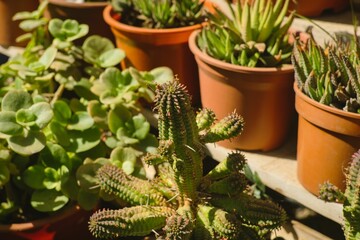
(4, 175)
(32, 24)
(60, 133)
(118, 117)
(111, 58)
(125, 158)
(34, 177)
(94, 46)
(25, 117)
(52, 178)
(8, 124)
(162, 75)
(81, 141)
(48, 57)
(86, 175)
(48, 200)
(43, 112)
(27, 144)
(142, 127)
(55, 156)
(15, 100)
(80, 121)
(62, 112)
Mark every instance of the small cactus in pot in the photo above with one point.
(181, 202)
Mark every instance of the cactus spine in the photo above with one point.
(199, 204)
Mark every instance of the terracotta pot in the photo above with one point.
(327, 138)
(149, 48)
(263, 96)
(312, 8)
(71, 223)
(9, 30)
(89, 13)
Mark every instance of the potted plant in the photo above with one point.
(243, 57)
(181, 202)
(9, 29)
(348, 197)
(327, 101)
(66, 110)
(84, 11)
(155, 33)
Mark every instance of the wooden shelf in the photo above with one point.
(277, 170)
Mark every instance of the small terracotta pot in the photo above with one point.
(9, 30)
(315, 8)
(263, 96)
(149, 48)
(327, 138)
(89, 13)
(71, 223)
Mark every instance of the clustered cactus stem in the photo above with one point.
(350, 198)
(181, 203)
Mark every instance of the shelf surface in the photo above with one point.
(278, 171)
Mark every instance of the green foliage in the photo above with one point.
(66, 110)
(350, 198)
(159, 13)
(329, 74)
(249, 33)
(193, 206)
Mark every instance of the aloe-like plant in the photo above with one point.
(350, 198)
(329, 74)
(180, 202)
(65, 111)
(159, 13)
(249, 33)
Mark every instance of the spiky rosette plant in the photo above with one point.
(350, 198)
(181, 203)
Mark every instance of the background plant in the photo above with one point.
(329, 74)
(181, 203)
(159, 13)
(249, 33)
(350, 198)
(64, 105)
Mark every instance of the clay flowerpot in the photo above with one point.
(149, 48)
(71, 223)
(9, 30)
(89, 13)
(311, 8)
(263, 96)
(327, 138)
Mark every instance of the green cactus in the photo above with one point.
(214, 206)
(350, 198)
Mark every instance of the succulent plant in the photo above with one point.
(159, 13)
(180, 202)
(65, 111)
(350, 198)
(329, 74)
(249, 33)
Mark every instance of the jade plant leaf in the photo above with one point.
(101, 51)
(52, 178)
(60, 133)
(8, 124)
(62, 112)
(43, 113)
(34, 177)
(81, 141)
(46, 200)
(54, 156)
(67, 30)
(125, 158)
(162, 74)
(141, 125)
(15, 100)
(27, 144)
(31, 24)
(80, 121)
(25, 117)
(118, 117)
(48, 57)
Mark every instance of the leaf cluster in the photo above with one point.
(159, 13)
(66, 109)
(249, 33)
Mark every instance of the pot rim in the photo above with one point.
(108, 16)
(65, 3)
(232, 67)
(42, 221)
(324, 107)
